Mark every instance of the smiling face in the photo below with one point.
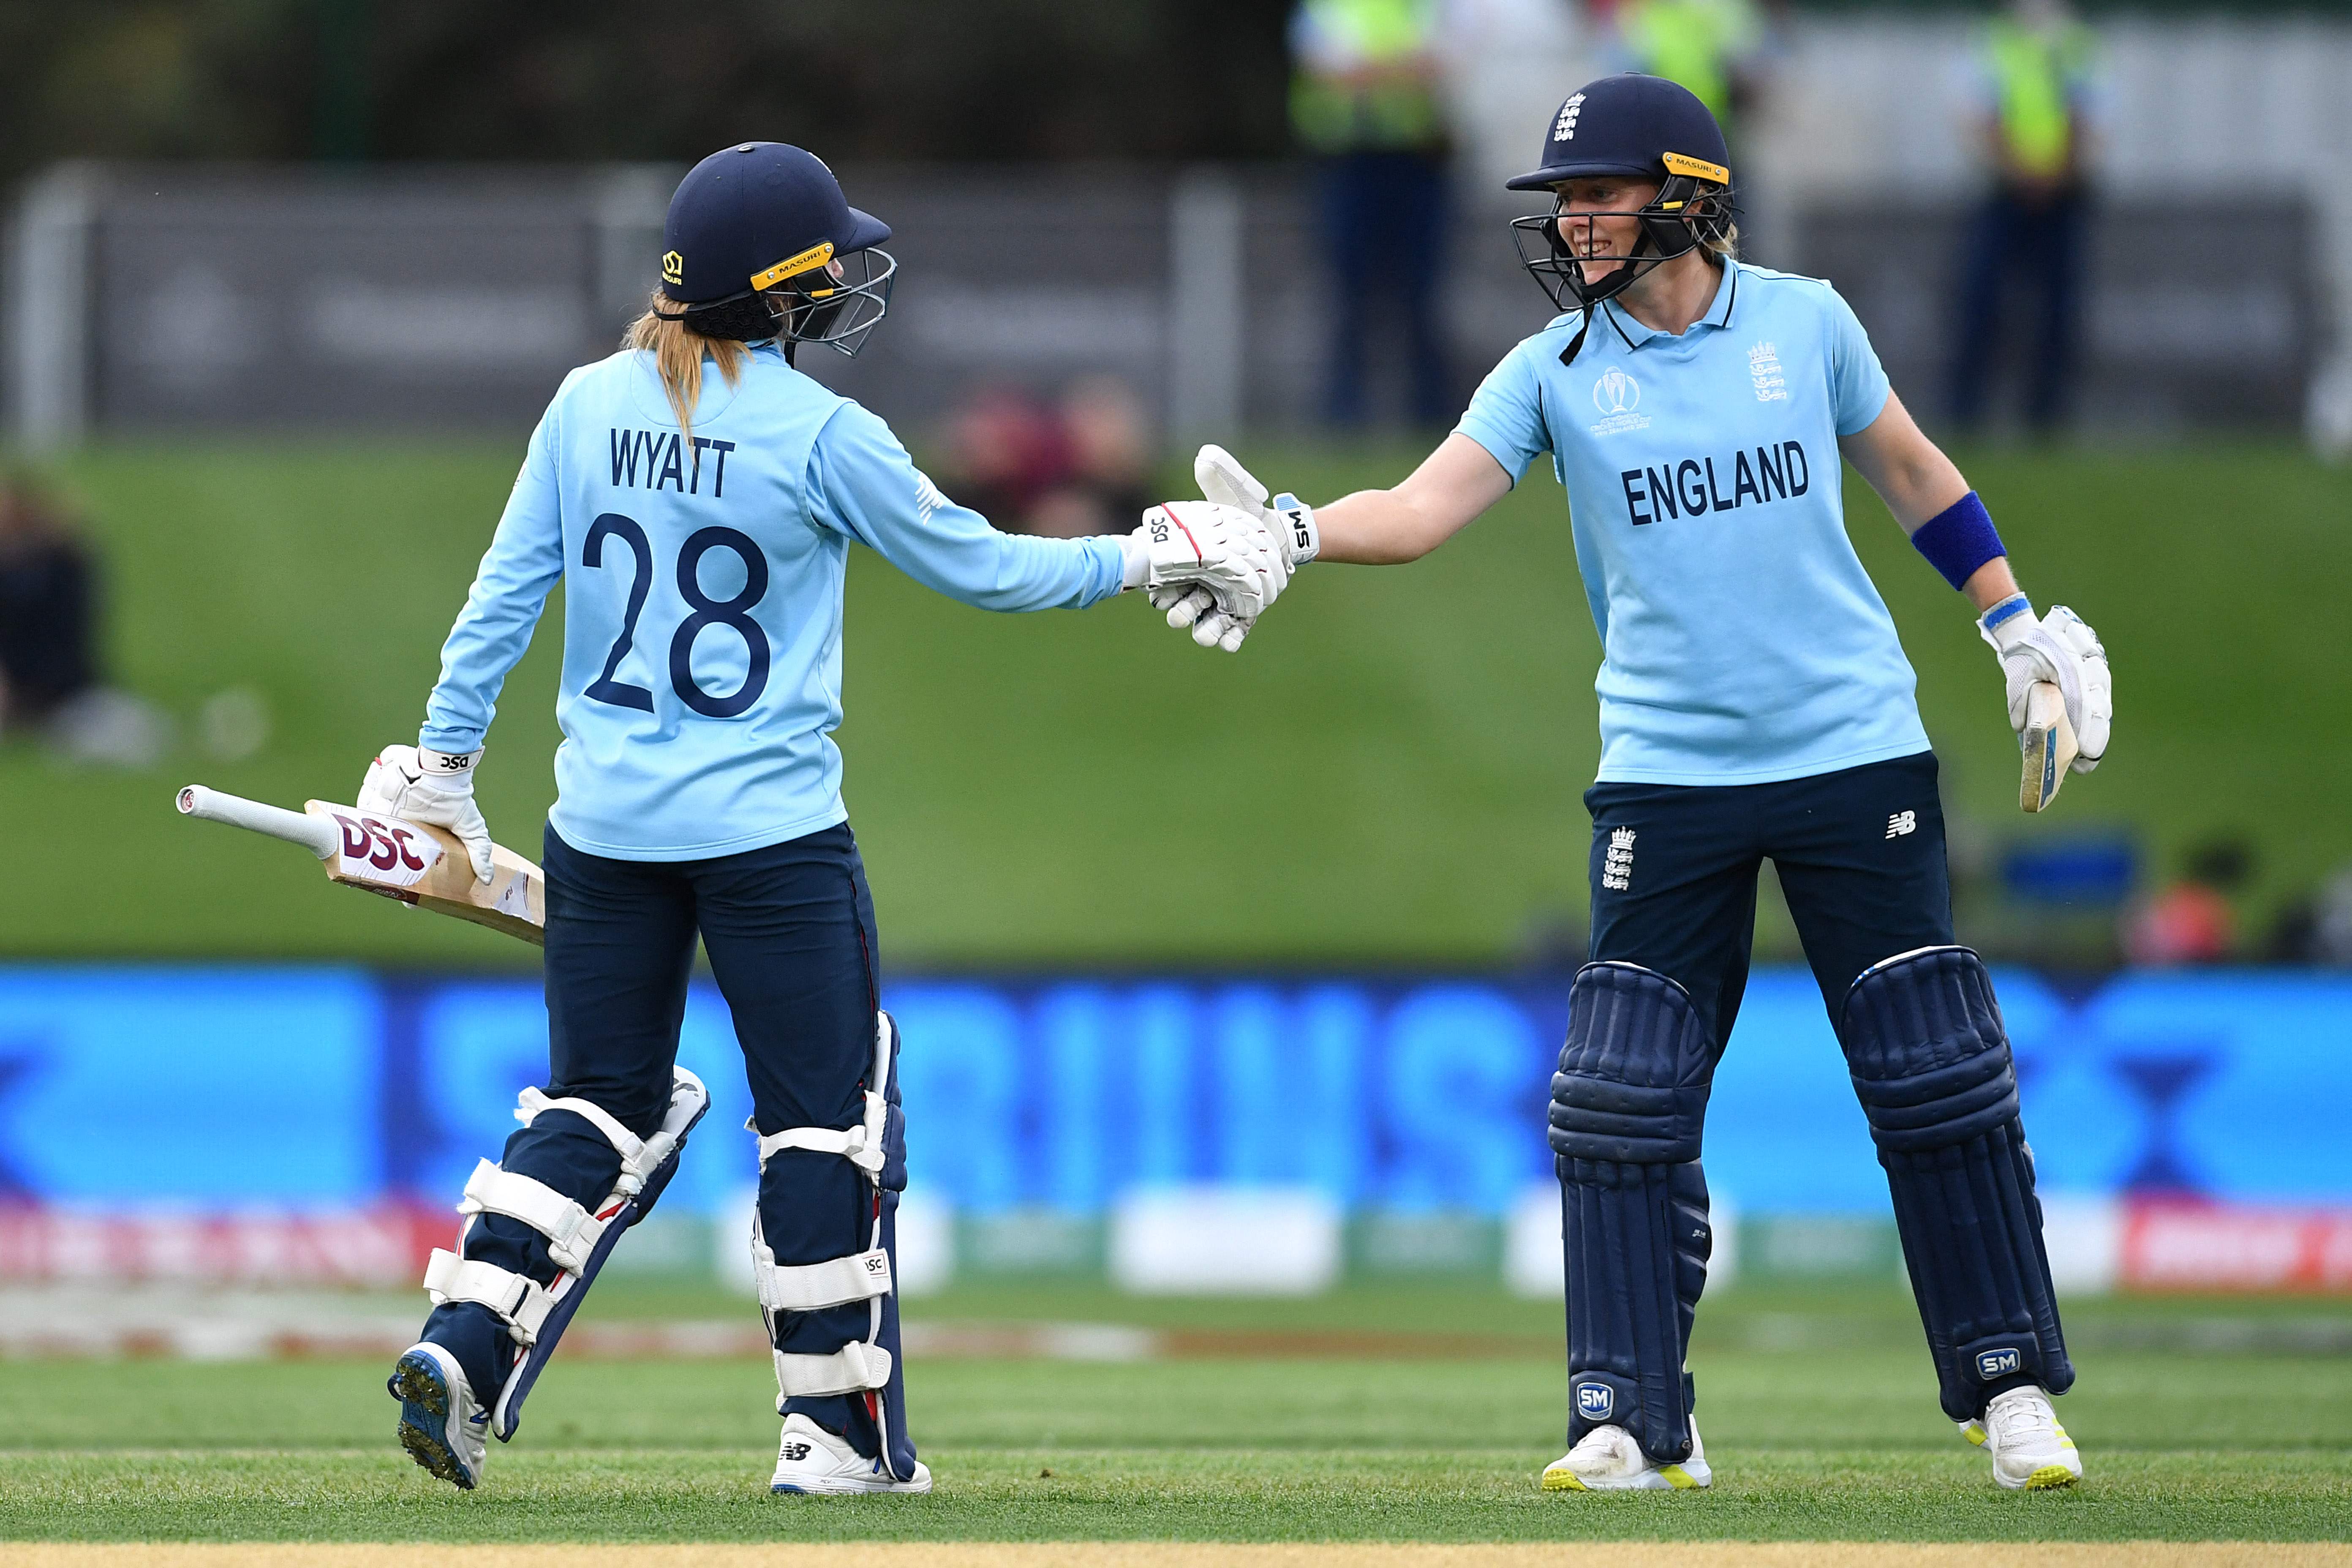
(1597, 218)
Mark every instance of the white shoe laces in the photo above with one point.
(2022, 1420)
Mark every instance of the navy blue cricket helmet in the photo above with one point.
(759, 243)
(1641, 126)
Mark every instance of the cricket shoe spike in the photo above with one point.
(813, 1461)
(2031, 1452)
(444, 1427)
(1609, 1460)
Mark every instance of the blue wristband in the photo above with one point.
(1958, 539)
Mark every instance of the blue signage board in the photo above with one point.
(323, 1088)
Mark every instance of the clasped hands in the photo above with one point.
(1216, 563)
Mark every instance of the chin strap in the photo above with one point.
(1575, 344)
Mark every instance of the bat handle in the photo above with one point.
(315, 834)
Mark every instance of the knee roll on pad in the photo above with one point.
(1628, 1105)
(1930, 1060)
(578, 1238)
(877, 1146)
(1634, 1074)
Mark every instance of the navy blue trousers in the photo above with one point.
(789, 929)
(1385, 225)
(1860, 854)
(2037, 249)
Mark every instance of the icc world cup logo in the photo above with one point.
(1616, 392)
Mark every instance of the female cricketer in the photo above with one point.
(701, 525)
(1754, 702)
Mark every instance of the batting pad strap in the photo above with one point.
(532, 1104)
(570, 1230)
(805, 1287)
(520, 1304)
(860, 1145)
(853, 1369)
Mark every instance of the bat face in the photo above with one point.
(378, 851)
(428, 866)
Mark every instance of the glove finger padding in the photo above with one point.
(1217, 629)
(388, 777)
(1224, 481)
(2030, 653)
(1229, 551)
(1186, 607)
(469, 826)
(2094, 717)
(1290, 521)
(400, 782)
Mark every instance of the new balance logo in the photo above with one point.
(796, 1452)
(1617, 865)
(1901, 823)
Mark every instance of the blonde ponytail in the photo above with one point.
(678, 351)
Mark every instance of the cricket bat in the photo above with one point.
(421, 866)
(2049, 743)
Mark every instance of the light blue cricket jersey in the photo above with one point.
(702, 599)
(1741, 639)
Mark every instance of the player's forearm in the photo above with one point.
(1438, 499)
(1376, 528)
(1990, 583)
(493, 631)
(481, 651)
(955, 552)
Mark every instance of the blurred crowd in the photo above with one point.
(48, 609)
(1062, 466)
(1378, 86)
(52, 685)
(2193, 919)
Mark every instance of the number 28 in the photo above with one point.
(733, 613)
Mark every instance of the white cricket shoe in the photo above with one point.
(1609, 1460)
(2029, 1450)
(811, 1459)
(444, 1427)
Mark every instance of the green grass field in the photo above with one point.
(1819, 1414)
(1391, 767)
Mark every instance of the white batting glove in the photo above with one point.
(1222, 480)
(2061, 648)
(1291, 520)
(437, 787)
(1225, 553)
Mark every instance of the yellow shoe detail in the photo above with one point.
(1562, 1481)
(1679, 1477)
(1975, 1433)
(2049, 1478)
